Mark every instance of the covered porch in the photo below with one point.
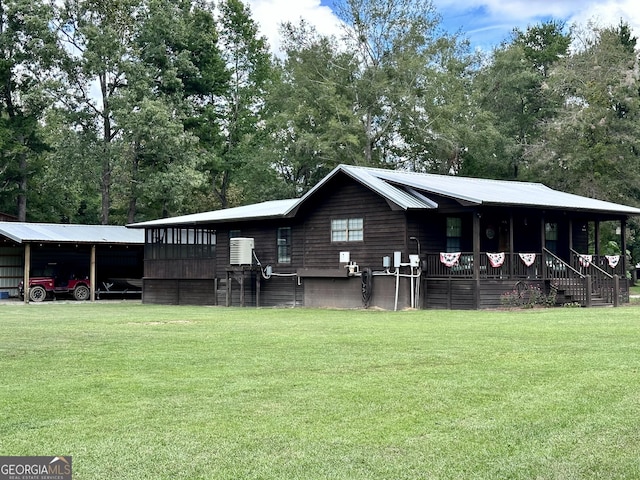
(559, 254)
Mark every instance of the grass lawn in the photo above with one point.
(136, 391)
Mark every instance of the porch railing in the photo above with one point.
(603, 283)
(573, 279)
(565, 279)
(513, 266)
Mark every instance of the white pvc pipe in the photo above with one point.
(395, 308)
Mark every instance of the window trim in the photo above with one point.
(347, 230)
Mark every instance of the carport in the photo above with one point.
(98, 251)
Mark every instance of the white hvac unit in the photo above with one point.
(241, 251)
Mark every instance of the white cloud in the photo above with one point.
(499, 17)
(269, 14)
(485, 22)
(610, 13)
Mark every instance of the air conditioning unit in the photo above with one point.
(241, 251)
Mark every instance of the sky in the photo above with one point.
(485, 22)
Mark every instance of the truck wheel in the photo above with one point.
(81, 293)
(37, 294)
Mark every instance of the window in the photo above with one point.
(454, 234)
(165, 243)
(234, 233)
(347, 230)
(284, 245)
(551, 237)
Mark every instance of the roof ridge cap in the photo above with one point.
(427, 174)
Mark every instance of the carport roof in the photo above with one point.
(70, 233)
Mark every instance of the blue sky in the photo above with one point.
(485, 22)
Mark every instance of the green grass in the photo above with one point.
(152, 392)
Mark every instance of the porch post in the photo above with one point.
(623, 246)
(571, 235)
(92, 273)
(511, 247)
(596, 235)
(476, 256)
(27, 268)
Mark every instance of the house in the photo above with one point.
(390, 239)
(100, 252)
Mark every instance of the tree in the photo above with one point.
(405, 67)
(167, 112)
(28, 49)
(97, 39)
(591, 148)
(241, 105)
(392, 91)
(514, 88)
(311, 122)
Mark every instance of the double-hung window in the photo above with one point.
(284, 245)
(347, 230)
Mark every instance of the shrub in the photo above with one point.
(525, 295)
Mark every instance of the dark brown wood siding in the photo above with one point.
(178, 291)
(450, 294)
(430, 229)
(265, 236)
(204, 268)
(385, 230)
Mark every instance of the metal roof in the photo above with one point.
(64, 233)
(411, 191)
(257, 211)
(471, 190)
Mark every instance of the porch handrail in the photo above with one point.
(602, 281)
(566, 279)
(596, 267)
(562, 262)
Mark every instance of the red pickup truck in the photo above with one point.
(43, 287)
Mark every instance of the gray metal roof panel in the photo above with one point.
(270, 209)
(401, 197)
(21, 232)
(495, 192)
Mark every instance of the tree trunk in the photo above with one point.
(22, 194)
(133, 196)
(106, 151)
(105, 187)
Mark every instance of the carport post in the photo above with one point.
(92, 273)
(27, 267)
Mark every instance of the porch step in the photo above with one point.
(568, 294)
(598, 301)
